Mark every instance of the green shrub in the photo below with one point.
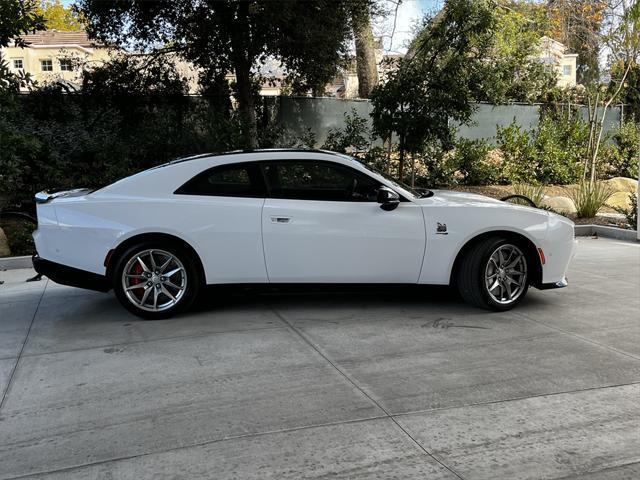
(631, 213)
(520, 163)
(560, 145)
(470, 162)
(589, 198)
(622, 161)
(355, 135)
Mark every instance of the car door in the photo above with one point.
(223, 207)
(321, 224)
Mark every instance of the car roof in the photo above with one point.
(247, 151)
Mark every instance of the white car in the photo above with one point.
(291, 216)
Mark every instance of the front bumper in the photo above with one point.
(548, 286)
(73, 277)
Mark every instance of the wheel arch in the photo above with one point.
(114, 254)
(529, 249)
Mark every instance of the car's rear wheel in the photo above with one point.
(494, 274)
(156, 281)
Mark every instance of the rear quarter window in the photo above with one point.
(233, 180)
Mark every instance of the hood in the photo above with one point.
(460, 198)
(454, 199)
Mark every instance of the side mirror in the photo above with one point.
(388, 199)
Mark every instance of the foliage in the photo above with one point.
(135, 75)
(553, 153)
(577, 24)
(589, 197)
(308, 37)
(130, 115)
(355, 136)
(469, 157)
(519, 163)
(515, 72)
(59, 17)
(18, 17)
(630, 94)
(622, 161)
(19, 235)
(439, 79)
(631, 213)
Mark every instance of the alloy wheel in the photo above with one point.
(154, 280)
(506, 274)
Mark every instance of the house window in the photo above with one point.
(66, 65)
(46, 65)
(566, 70)
(17, 64)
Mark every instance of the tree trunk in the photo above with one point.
(365, 49)
(246, 106)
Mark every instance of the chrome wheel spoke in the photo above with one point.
(167, 293)
(173, 285)
(143, 265)
(173, 272)
(135, 287)
(152, 261)
(164, 266)
(145, 296)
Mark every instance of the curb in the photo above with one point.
(607, 232)
(14, 263)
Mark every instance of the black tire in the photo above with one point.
(192, 282)
(471, 275)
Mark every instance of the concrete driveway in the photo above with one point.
(411, 384)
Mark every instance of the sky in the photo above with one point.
(409, 14)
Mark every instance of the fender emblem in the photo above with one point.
(441, 229)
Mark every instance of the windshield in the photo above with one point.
(390, 179)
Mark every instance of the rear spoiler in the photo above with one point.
(44, 197)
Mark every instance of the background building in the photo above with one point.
(53, 56)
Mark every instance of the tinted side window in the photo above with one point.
(317, 180)
(234, 180)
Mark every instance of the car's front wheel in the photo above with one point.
(155, 281)
(494, 274)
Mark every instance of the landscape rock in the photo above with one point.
(4, 245)
(560, 204)
(620, 200)
(623, 184)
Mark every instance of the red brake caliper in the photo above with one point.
(137, 270)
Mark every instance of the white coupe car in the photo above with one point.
(291, 216)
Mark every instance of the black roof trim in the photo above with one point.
(239, 152)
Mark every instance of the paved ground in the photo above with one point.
(357, 385)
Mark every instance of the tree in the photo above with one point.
(365, 48)
(439, 80)
(621, 35)
(516, 73)
(59, 17)
(308, 37)
(17, 17)
(577, 24)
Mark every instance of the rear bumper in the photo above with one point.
(73, 277)
(548, 286)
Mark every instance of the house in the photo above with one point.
(555, 54)
(52, 55)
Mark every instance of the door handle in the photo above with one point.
(280, 219)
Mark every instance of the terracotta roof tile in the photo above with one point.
(55, 37)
